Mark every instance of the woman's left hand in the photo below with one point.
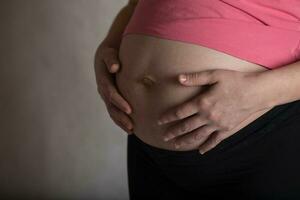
(232, 96)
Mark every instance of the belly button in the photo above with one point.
(148, 80)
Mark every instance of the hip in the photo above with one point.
(259, 160)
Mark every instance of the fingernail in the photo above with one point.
(162, 121)
(131, 133)
(127, 126)
(201, 152)
(113, 67)
(128, 111)
(177, 145)
(168, 136)
(182, 78)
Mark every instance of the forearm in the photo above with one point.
(114, 35)
(278, 86)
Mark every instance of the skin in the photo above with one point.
(148, 80)
(220, 102)
(218, 106)
(223, 107)
(106, 64)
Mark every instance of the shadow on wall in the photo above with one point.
(57, 140)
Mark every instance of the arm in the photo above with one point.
(279, 86)
(114, 36)
(106, 62)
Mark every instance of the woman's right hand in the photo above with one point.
(106, 63)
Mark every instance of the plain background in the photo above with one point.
(57, 139)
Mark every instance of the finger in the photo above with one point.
(199, 78)
(186, 126)
(123, 127)
(111, 60)
(184, 110)
(116, 99)
(106, 88)
(198, 135)
(214, 139)
(120, 116)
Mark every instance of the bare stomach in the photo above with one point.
(148, 81)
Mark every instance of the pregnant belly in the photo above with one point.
(148, 81)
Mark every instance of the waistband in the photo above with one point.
(266, 122)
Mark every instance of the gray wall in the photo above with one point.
(57, 139)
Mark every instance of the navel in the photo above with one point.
(148, 80)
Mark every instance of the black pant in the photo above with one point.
(260, 161)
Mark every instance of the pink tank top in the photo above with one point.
(265, 32)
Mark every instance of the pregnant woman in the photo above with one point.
(232, 129)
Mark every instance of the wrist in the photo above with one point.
(262, 89)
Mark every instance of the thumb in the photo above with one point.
(111, 60)
(206, 77)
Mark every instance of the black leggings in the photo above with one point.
(260, 161)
